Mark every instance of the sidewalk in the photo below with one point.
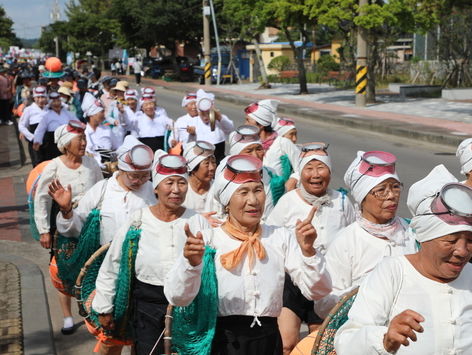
(433, 120)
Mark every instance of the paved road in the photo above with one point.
(415, 159)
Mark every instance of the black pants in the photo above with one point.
(150, 306)
(138, 78)
(294, 300)
(219, 152)
(5, 110)
(48, 149)
(154, 143)
(34, 155)
(234, 336)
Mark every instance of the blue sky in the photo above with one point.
(29, 15)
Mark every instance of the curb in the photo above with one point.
(37, 326)
(395, 128)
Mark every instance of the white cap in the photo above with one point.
(263, 112)
(464, 153)
(134, 156)
(91, 105)
(190, 97)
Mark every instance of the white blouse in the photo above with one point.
(252, 293)
(282, 146)
(50, 122)
(355, 253)
(328, 220)
(145, 127)
(179, 133)
(117, 132)
(203, 130)
(32, 114)
(160, 244)
(117, 206)
(80, 179)
(194, 200)
(395, 286)
(100, 138)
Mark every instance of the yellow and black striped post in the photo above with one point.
(361, 79)
(207, 70)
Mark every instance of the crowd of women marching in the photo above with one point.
(195, 236)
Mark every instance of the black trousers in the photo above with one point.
(48, 149)
(234, 336)
(5, 110)
(34, 155)
(219, 152)
(154, 143)
(138, 78)
(150, 306)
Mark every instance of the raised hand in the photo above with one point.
(401, 328)
(191, 130)
(62, 196)
(194, 247)
(306, 234)
(214, 222)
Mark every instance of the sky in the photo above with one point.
(29, 15)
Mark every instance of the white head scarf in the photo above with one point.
(62, 136)
(201, 95)
(192, 158)
(190, 97)
(360, 185)
(145, 159)
(420, 197)
(157, 177)
(464, 153)
(266, 112)
(131, 94)
(236, 147)
(90, 105)
(282, 128)
(322, 158)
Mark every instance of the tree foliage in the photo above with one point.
(7, 35)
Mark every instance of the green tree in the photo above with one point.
(47, 42)
(384, 21)
(7, 35)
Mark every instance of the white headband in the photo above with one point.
(464, 153)
(193, 159)
(62, 137)
(420, 197)
(322, 158)
(283, 129)
(144, 160)
(266, 112)
(90, 105)
(157, 177)
(359, 184)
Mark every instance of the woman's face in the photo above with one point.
(256, 150)
(77, 145)
(247, 204)
(315, 177)
(132, 103)
(171, 191)
(133, 180)
(41, 101)
(192, 108)
(56, 104)
(97, 118)
(149, 108)
(446, 256)
(292, 135)
(206, 170)
(381, 203)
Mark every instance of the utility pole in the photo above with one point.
(206, 42)
(361, 65)
(56, 16)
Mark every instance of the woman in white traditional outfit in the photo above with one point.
(201, 165)
(128, 190)
(30, 119)
(56, 115)
(74, 168)
(184, 127)
(161, 241)
(263, 115)
(377, 231)
(114, 116)
(250, 261)
(151, 123)
(464, 153)
(420, 303)
(334, 211)
(243, 141)
(98, 136)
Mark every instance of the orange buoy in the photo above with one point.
(33, 175)
(305, 346)
(53, 64)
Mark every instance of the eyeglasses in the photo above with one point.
(137, 177)
(453, 204)
(382, 192)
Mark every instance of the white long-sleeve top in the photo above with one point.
(117, 206)
(355, 253)
(160, 244)
(99, 138)
(252, 293)
(145, 127)
(80, 179)
(194, 200)
(282, 146)
(117, 131)
(50, 122)
(32, 114)
(395, 286)
(328, 220)
(180, 133)
(203, 130)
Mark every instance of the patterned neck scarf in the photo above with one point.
(393, 230)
